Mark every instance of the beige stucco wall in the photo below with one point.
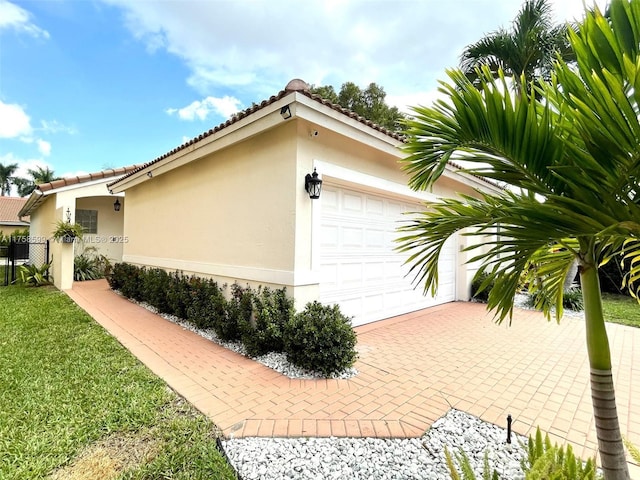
(230, 215)
(8, 230)
(241, 213)
(109, 238)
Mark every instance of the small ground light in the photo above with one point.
(509, 420)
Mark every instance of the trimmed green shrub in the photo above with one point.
(155, 286)
(178, 294)
(239, 312)
(200, 310)
(320, 339)
(128, 280)
(272, 309)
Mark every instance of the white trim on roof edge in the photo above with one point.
(301, 106)
(40, 196)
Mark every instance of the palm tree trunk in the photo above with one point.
(610, 446)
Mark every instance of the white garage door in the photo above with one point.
(359, 269)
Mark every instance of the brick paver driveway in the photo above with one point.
(412, 369)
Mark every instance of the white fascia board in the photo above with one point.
(254, 124)
(37, 197)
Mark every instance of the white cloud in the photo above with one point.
(14, 122)
(255, 48)
(24, 165)
(201, 109)
(44, 147)
(258, 47)
(15, 17)
(53, 126)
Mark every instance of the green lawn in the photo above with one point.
(73, 400)
(621, 309)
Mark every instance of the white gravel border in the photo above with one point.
(377, 458)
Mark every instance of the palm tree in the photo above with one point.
(38, 176)
(526, 52)
(6, 178)
(572, 162)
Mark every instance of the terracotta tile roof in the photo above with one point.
(63, 182)
(9, 208)
(295, 85)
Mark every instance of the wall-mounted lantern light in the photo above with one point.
(285, 112)
(68, 215)
(313, 185)
(117, 205)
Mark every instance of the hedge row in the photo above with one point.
(320, 338)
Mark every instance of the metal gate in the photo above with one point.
(18, 252)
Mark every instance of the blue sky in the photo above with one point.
(93, 84)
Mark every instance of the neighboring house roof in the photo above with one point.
(9, 209)
(67, 181)
(44, 189)
(295, 85)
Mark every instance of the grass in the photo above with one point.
(74, 401)
(621, 309)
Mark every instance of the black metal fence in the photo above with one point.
(21, 251)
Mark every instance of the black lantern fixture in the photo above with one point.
(313, 185)
(117, 205)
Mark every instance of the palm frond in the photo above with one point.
(510, 140)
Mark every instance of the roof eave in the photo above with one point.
(258, 122)
(34, 201)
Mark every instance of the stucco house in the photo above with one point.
(83, 199)
(9, 219)
(231, 204)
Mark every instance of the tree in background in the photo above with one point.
(38, 176)
(368, 103)
(524, 53)
(572, 160)
(6, 178)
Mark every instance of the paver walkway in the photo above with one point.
(412, 370)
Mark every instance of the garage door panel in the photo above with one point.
(329, 200)
(352, 204)
(351, 237)
(373, 304)
(375, 238)
(375, 207)
(360, 269)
